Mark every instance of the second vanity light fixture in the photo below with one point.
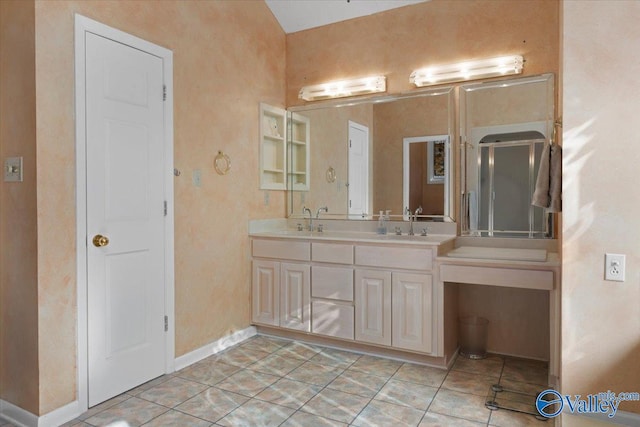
(467, 70)
(342, 88)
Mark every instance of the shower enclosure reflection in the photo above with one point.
(505, 125)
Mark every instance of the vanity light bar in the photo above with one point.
(468, 70)
(342, 88)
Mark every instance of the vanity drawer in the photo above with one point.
(332, 319)
(394, 257)
(332, 282)
(332, 252)
(509, 277)
(281, 249)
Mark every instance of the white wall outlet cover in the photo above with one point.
(614, 267)
(13, 169)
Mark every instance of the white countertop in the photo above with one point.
(353, 236)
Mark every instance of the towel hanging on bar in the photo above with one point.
(548, 190)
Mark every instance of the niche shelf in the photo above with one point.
(273, 153)
(298, 165)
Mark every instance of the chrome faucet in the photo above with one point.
(407, 211)
(412, 217)
(307, 210)
(324, 209)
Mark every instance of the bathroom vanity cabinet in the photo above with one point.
(281, 289)
(401, 296)
(365, 292)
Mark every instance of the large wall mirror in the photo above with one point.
(504, 126)
(379, 154)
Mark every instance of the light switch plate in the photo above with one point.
(197, 178)
(13, 169)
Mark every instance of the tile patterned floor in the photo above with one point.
(267, 381)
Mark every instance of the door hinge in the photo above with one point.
(165, 208)
(166, 323)
(164, 92)
(349, 143)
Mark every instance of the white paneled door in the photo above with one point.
(358, 169)
(125, 217)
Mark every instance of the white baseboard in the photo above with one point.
(21, 418)
(61, 415)
(621, 418)
(214, 347)
(16, 415)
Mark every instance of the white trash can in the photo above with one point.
(472, 336)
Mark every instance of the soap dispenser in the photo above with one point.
(382, 225)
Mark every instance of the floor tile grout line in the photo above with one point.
(320, 391)
(212, 422)
(274, 348)
(374, 396)
(440, 388)
(250, 398)
(436, 393)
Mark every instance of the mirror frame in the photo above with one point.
(449, 207)
(406, 172)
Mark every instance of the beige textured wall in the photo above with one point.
(396, 42)
(228, 56)
(518, 318)
(18, 262)
(601, 320)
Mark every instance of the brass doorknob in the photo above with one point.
(99, 240)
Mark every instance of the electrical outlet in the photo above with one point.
(614, 267)
(266, 198)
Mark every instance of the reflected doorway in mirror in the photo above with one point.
(424, 173)
(436, 161)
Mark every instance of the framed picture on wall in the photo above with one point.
(436, 161)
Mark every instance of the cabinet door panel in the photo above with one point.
(373, 306)
(412, 311)
(294, 297)
(266, 292)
